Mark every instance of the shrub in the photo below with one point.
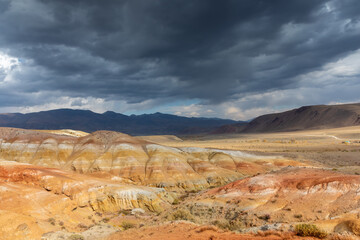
(309, 230)
(232, 225)
(223, 224)
(176, 201)
(76, 237)
(83, 226)
(52, 221)
(125, 212)
(127, 225)
(181, 214)
(265, 217)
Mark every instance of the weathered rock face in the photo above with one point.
(32, 195)
(290, 195)
(127, 159)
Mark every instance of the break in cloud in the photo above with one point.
(231, 59)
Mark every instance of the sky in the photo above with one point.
(233, 59)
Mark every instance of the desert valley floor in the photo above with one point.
(67, 184)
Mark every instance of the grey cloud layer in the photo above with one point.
(136, 50)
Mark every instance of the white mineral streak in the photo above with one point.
(155, 147)
(228, 152)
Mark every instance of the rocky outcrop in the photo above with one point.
(123, 158)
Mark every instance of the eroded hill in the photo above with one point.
(123, 158)
(35, 200)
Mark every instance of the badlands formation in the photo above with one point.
(34, 199)
(73, 185)
(289, 195)
(123, 158)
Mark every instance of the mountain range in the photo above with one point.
(88, 121)
(303, 118)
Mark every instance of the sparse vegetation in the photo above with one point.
(309, 230)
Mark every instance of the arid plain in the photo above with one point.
(337, 148)
(68, 184)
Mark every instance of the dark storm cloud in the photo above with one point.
(136, 50)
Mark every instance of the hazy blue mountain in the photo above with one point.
(88, 121)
